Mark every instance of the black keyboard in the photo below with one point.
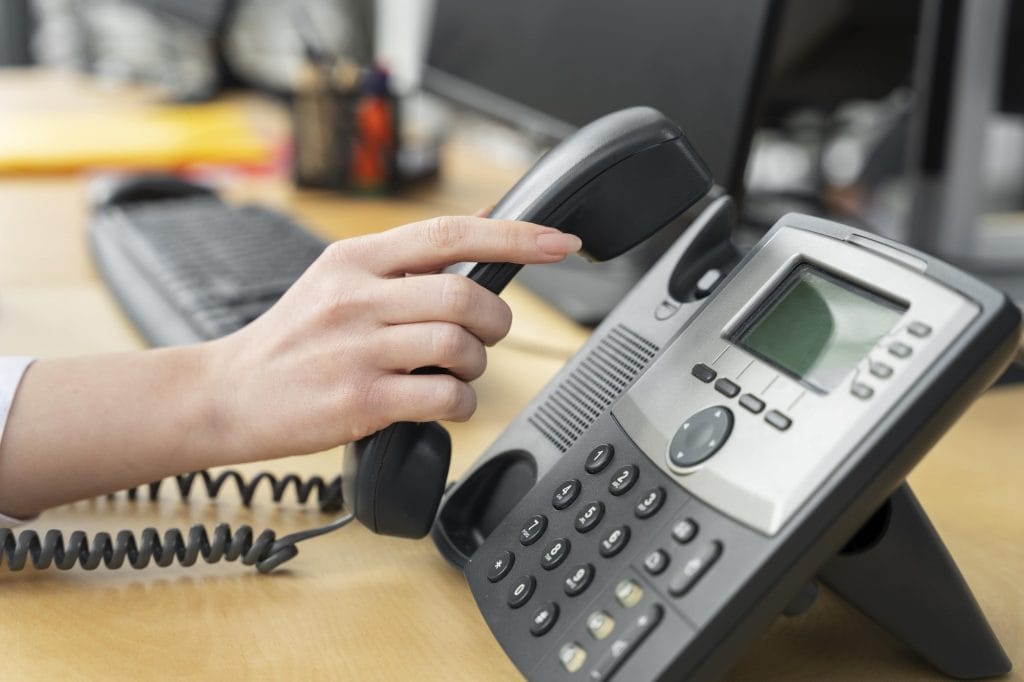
(194, 268)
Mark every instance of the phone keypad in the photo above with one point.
(555, 554)
(589, 516)
(566, 494)
(533, 529)
(579, 579)
(623, 480)
(614, 541)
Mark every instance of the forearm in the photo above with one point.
(80, 427)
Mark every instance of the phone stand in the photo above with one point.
(898, 572)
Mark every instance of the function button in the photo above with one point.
(621, 648)
(555, 554)
(700, 436)
(566, 494)
(600, 624)
(900, 350)
(628, 593)
(572, 657)
(533, 529)
(578, 579)
(708, 281)
(656, 562)
(694, 567)
(919, 329)
(650, 503)
(599, 458)
(862, 391)
(684, 531)
(623, 480)
(752, 403)
(543, 619)
(729, 389)
(777, 419)
(589, 516)
(614, 541)
(880, 369)
(500, 567)
(704, 373)
(666, 309)
(521, 591)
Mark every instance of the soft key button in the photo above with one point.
(600, 624)
(629, 593)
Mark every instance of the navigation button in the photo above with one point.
(599, 458)
(500, 567)
(700, 437)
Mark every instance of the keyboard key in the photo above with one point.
(650, 502)
(578, 579)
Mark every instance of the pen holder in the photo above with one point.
(345, 125)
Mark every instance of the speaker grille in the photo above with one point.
(593, 386)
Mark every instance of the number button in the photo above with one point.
(544, 619)
(533, 529)
(521, 591)
(650, 503)
(589, 516)
(614, 541)
(599, 458)
(555, 554)
(623, 480)
(500, 567)
(578, 579)
(566, 494)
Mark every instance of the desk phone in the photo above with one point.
(752, 437)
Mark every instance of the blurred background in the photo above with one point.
(902, 116)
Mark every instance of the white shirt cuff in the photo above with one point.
(11, 372)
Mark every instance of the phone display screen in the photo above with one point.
(817, 327)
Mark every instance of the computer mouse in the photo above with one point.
(109, 191)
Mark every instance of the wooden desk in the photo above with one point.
(357, 606)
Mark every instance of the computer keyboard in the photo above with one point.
(193, 268)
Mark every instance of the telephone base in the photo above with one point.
(898, 572)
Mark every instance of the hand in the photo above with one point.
(331, 361)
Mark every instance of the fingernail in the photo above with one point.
(558, 243)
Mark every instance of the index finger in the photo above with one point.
(434, 244)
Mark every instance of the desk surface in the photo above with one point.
(357, 606)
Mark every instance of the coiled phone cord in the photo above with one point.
(266, 551)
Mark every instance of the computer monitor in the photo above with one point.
(549, 66)
(968, 78)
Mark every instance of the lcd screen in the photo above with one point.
(817, 327)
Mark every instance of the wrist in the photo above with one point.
(219, 434)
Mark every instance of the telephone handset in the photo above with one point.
(614, 183)
(733, 431)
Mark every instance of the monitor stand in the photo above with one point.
(898, 572)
